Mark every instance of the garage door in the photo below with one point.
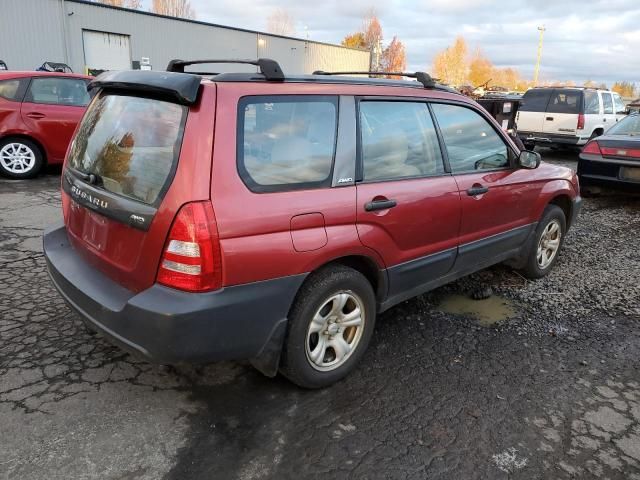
(106, 51)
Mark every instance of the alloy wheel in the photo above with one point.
(335, 331)
(549, 244)
(17, 158)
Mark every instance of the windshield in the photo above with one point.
(130, 144)
(628, 126)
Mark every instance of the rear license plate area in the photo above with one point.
(94, 231)
(631, 174)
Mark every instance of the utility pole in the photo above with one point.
(541, 29)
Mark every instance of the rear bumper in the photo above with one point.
(540, 138)
(171, 326)
(606, 172)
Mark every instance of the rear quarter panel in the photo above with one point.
(10, 120)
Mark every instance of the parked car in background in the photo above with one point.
(326, 200)
(54, 67)
(614, 158)
(39, 112)
(3, 65)
(567, 116)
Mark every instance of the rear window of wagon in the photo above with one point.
(131, 144)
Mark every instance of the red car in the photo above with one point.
(271, 218)
(39, 112)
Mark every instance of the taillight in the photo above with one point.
(621, 152)
(580, 121)
(592, 147)
(191, 258)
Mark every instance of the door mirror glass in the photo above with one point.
(529, 159)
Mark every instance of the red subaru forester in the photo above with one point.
(269, 217)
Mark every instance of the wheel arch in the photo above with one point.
(564, 202)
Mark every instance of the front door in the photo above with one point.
(408, 207)
(496, 197)
(52, 108)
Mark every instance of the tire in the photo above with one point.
(20, 158)
(309, 358)
(537, 266)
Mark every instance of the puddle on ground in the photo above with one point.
(487, 312)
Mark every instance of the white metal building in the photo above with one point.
(87, 35)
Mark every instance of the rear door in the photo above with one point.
(496, 196)
(133, 163)
(408, 206)
(565, 105)
(592, 112)
(531, 113)
(51, 110)
(609, 117)
(619, 107)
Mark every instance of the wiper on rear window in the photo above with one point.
(90, 178)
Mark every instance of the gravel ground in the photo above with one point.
(551, 392)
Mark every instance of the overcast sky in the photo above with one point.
(585, 39)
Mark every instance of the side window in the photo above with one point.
(9, 89)
(58, 91)
(565, 101)
(472, 143)
(591, 102)
(286, 142)
(535, 100)
(619, 104)
(398, 140)
(607, 102)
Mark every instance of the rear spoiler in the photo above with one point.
(179, 87)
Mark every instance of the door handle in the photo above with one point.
(382, 204)
(604, 119)
(35, 115)
(550, 119)
(477, 189)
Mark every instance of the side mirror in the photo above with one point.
(529, 159)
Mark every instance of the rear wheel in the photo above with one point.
(330, 326)
(19, 158)
(548, 239)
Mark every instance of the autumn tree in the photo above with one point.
(134, 4)
(480, 69)
(173, 8)
(450, 65)
(280, 22)
(354, 40)
(372, 30)
(394, 57)
(625, 89)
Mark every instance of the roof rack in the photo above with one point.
(576, 87)
(424, 78)
(269, 68)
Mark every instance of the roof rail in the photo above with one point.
(424, 78)
(269, 68)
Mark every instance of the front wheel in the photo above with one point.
(330, 326)
(19, 158)
(548, 240)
